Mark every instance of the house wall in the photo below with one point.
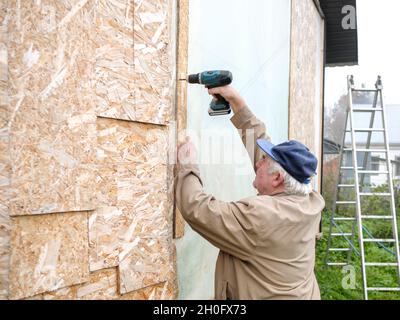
(86, 116)
(394, 154)
(88, 126)
(306, 78)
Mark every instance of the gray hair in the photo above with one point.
(292, 186)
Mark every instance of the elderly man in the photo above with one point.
(266, 242)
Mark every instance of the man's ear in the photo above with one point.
(277, 180)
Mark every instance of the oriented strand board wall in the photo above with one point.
(86, 114)
(306, 71)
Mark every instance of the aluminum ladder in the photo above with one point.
(357, 218)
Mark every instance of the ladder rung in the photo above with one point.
(373, 172)
(383, 289)
(364, 90)
(375, 194)
(369, 130)
(345, 202)
(367, 109)
(346, 185)
(378, 240)
(344, 219)
(339, 249)
(370, 150)
(380, 264)
(342, 234)
(366, 150)
(376, 217)
(337, 263)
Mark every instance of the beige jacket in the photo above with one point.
(267, 243)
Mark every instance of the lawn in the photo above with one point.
(330, 278)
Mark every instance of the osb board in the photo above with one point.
(131, 234)
(142, 187)
(145, 264)
(181, 92)
(51, 167)
(5, 224)
(126, 142)
(93, 42)
(130, 227)
(102, 285)
(161, 291)
(92, 59)
(117, 232)
(303, 69)
(131, 178)
(104, 243)
(48, 252)
(52, 122)
(133, 78)
(112, 75)
(153, 64)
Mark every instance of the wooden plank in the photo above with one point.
(181, 97)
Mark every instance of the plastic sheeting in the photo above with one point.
(252, 40)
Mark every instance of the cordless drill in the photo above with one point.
(214, 79)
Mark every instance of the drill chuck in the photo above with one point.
(194, 78)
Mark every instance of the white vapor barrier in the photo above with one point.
(252, 40)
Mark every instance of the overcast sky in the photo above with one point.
(378, 25)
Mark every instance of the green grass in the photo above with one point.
(330, 278)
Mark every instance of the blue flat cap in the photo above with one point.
(293, 156)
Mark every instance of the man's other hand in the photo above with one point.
(187, 153)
